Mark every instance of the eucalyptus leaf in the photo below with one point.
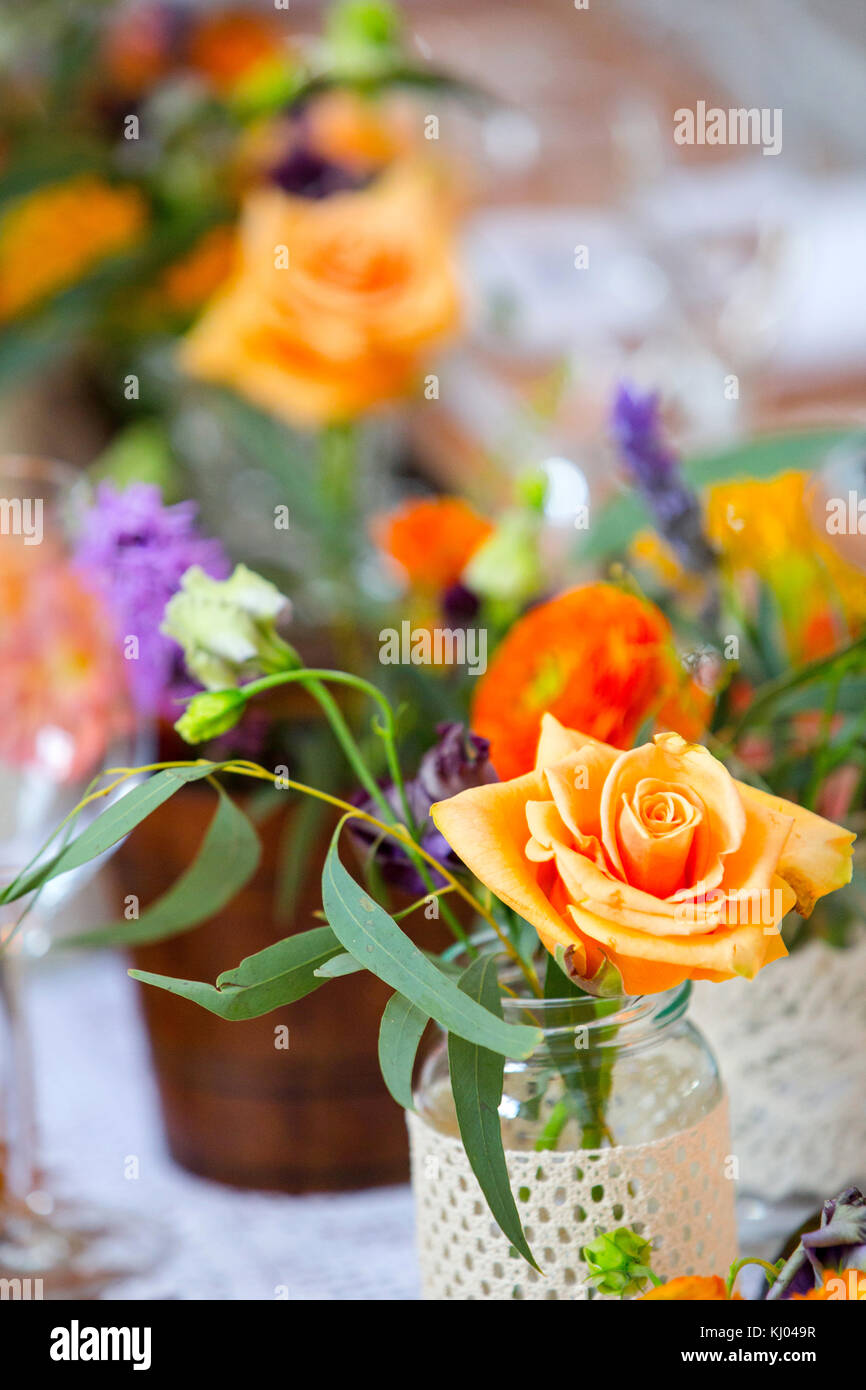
(340, 965)
(476, 1084)
(111, 826)
(373, 937)
(278, 975)
(400, 1032)
(226, 861)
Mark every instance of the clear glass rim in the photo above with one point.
(598, 1014)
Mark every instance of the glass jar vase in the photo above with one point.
(619, 1118)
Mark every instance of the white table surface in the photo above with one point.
(98, 1107)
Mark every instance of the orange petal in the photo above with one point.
(556, 742)
(654, 862)
(720, 955)
(817, 856)
(487, 827)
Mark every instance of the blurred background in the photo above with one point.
(505, 178)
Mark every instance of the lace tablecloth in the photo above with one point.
(98, 1109)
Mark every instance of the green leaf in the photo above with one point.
(373, 937)
(476, 1083)
(400, 1032)
(227, 859)
(112, 825)
(278, 975)
(298, 841)
(340, 965)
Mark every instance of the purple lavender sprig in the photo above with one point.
(656, 471)
(133, 550)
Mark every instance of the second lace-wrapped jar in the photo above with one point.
(619, 1118)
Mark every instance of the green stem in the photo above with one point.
(773, 690)
(771, 1270)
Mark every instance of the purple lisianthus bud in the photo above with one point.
(460, 604)
(838, 1244)
(459, 760)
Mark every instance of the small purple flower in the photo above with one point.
(460, 759)
(838, 1244)
(460, 604)
(655, 470)
(133, 550)
(306, 174)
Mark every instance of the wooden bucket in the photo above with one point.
(313, 1117)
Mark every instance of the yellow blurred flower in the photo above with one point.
(334, 301)
(51, 238)
(764, 527)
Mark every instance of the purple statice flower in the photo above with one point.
(656, 471)
(460, 759)
(838, 1244)
(133, 550)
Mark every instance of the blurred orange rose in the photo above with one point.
(599, 659)
(655, 858)
(51, 238)
(334, 301)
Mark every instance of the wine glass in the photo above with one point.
(65, 713)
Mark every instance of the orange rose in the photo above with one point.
(654, 858)
(334, 301)
(691, 1288)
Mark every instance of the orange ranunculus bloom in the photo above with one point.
(839, 1286)
(655, 859)
(334, 301)
(596, 657)
(52, 237)
(432, 540)
(691, 1288)
(225, 47)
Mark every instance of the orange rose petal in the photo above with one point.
(556, 743)
(726, 952)
(655, 862)
(487, 826)
(817, 857)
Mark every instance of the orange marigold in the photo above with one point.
(49, 239)
(691, 1288)
(433, 540)
(598, 659)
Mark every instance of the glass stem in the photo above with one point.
(19, 1108)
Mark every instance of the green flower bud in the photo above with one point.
(210, 714)
(226, 627)
(619, 1262)
(507, 565)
